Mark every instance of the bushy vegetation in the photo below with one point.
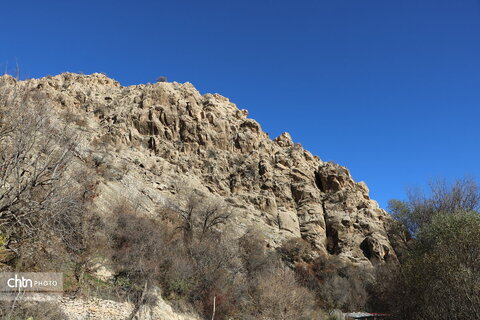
(336, 284)
(195, 266)
(421, 207)
(30, 310)
(439, 274)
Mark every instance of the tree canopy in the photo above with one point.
(439, 277)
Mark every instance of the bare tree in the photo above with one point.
(40, 196)
(140, 247)
(277, 295)
(34, 156)
(200, 215)
(461, 196)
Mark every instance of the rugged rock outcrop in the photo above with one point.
(151, 140)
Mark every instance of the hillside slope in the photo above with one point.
(150, 141)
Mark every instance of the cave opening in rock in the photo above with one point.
(367, 251)
(332, 240)
(318, 181)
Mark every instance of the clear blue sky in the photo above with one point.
(390, 89)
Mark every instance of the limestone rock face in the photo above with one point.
(355, 225)
(157, 138)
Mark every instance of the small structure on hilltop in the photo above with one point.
(366, 316)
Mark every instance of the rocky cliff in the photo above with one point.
(152, 140)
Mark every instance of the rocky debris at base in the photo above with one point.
(95, 309)
(99, 309)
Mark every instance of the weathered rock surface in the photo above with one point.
(150, 140)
